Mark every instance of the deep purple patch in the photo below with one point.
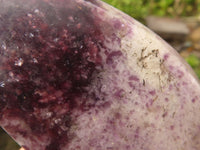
(193, 100)
(152, 92)
(113, 55)
(47, 62)
(171, 127)
(134, 78)
(166, 56)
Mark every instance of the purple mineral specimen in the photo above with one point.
(81, 75)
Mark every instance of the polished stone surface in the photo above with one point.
(80, 75)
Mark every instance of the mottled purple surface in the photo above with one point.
(80, 75)
(49, 54)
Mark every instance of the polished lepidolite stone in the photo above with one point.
(80, 75)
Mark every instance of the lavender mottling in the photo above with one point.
(134, 78)
(180, 73)
(117, 24)
(193, 100)
(113, 55)
(166, 99)
(131, 85)
(166, 56)
(152, 92)
(119, 93)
